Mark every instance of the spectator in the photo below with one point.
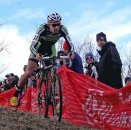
(10, 81)
(0, 83)
(10, 77)
(109, 66)
(127, 81)
(77, 65)
(61, 61)
(5, 85)
(91, 66)
(0, 86)
(32, 80)
(15, 80)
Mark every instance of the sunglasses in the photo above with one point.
(89, 58)
(55, 24)
(99, 40)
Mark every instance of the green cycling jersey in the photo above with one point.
(44, 40)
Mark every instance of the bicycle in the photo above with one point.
(52, 94)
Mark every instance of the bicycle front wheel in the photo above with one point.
(56, 98)
(43, 95)
(39, 97)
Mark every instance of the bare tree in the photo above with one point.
(126, 66)
(128, 62)
(3, 45)
(84, 47)
(3, 68)
(3, 48)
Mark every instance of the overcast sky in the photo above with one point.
(19, 20)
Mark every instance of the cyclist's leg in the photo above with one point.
(31, 66)
(30, 69)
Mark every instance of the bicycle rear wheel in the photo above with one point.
(56, 97)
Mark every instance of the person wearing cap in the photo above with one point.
(75, 58)
(110, 65)
(127, 81)
(43, 44)
(5, 85)
(91, 65)
(61, 61)
(9, 75)
(12, 80)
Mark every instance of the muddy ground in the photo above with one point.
(18, 120)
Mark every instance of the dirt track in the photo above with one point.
(18, 120)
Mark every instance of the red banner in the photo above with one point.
(85, 102)
(94, 104)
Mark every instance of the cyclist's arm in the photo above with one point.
(65, 34)
(35, 42)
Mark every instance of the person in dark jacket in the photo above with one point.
(110, 65)
(77, 65)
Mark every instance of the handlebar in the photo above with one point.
(54, 57)
(69, 64)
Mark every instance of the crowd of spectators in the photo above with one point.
(107, 69)
(8, 82)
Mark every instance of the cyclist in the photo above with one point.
(43, 43)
